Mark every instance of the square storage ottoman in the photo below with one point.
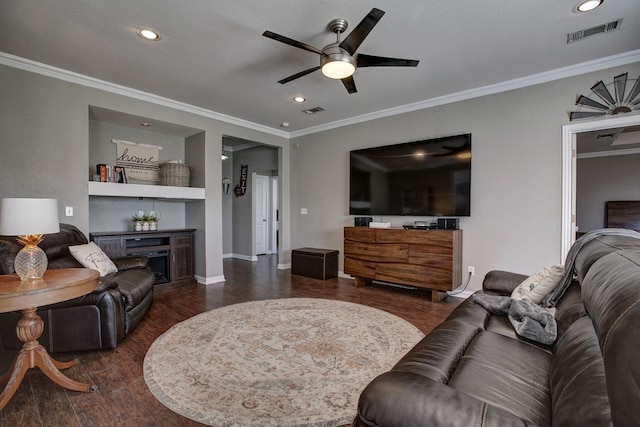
(319, 264)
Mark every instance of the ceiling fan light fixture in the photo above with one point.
(587, 5)
(338, 69)
(336, 63)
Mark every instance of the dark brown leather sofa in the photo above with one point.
(99, 320)
(472, 370)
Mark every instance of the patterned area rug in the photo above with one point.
(283, 362)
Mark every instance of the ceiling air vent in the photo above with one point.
(594, 31)
(314, 110)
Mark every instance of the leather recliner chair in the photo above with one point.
(98, 320)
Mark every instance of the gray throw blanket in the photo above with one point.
(554, 296)
(527, 318)
(537, 322)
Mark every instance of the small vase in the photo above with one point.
(153, 226)
(145, 226)
(137, 226)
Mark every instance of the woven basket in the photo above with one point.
(175, 174)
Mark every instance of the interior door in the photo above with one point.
(262, 214)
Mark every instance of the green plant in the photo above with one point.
(151, 218)
(138, 218)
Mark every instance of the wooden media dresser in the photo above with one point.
(429, 259)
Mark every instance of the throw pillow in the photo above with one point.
(536, 287)
(91, 256)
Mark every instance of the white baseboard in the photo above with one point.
(463, 294)
(209, 280)
(284, 266)
(242, 257)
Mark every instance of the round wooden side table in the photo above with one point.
(56, 286)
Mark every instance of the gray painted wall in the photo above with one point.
(114, 214)
(602, 179)
(515, 221)
(44, 132)
(516, 176)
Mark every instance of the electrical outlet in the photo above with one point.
(68, 210)
(471, 270)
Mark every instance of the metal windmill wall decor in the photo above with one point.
(619, 102)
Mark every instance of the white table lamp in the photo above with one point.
(29, 219)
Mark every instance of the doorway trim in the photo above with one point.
(275, 223)
(261, 201)
(569, 135)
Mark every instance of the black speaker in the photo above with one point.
(448, 223)
(362, 221)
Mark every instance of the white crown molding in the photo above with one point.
(557, 74)
(570, 71)
(80, 79)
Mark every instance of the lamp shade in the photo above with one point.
(21, 216)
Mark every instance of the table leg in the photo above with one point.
(50, 369)
(13, 377)
(32, 354)
(63, 365)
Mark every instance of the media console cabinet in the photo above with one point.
(430, 259)
(170, 252)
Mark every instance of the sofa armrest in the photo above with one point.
(502, 282)
(405, 399)
(129, 262)
(107, 282)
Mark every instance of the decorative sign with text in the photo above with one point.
(242, 187)
(140, 160)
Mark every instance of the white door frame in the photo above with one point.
(569, 132)
(274, 215)
(264, 222)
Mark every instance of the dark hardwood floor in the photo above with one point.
(123, 399)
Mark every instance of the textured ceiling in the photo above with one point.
(212, 53)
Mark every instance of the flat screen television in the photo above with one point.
(420, 178)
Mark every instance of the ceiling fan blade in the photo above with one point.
(381, 61)
(350, 84)
(291, 42)
(298, 75)
(355, 38)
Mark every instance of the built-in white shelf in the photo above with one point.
(111, 189)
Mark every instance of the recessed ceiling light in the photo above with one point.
(299, 98)
(145, 124)
(148, 34)
(586, 6)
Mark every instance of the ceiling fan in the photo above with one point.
(339, 60)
